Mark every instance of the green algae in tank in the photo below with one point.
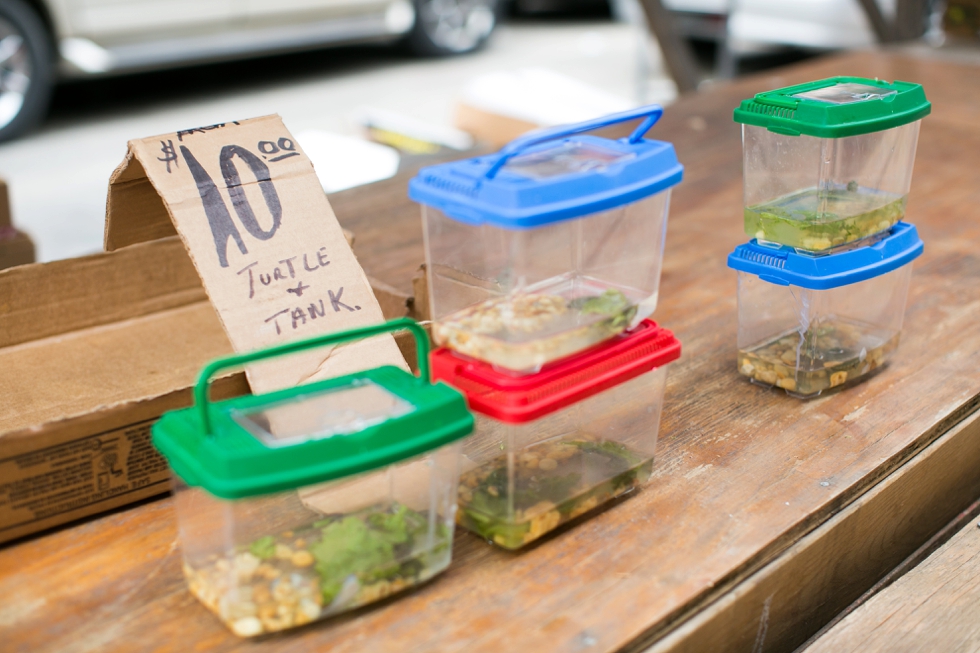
(337, 563)
(514, 502)
(829, 355)
(817, 220)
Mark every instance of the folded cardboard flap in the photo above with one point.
(49, 299)
(104, 369)
(135, 212)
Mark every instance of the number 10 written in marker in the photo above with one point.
(223, 228)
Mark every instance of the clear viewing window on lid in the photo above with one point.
(846, 93)
(341, 411)
(566, 158)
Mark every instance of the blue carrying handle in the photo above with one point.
(651, 111)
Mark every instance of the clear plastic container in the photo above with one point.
(281, 560)
(308, 502)
(810, 324)
(829, 163)
(551, 447)
(549, 247)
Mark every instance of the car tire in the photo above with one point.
(447, 27)
(26, 69)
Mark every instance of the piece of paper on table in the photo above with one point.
(343, 162)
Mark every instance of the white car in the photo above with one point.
(44, 41)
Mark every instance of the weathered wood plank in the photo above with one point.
(780, 606)
(934, 607)
(743, 474)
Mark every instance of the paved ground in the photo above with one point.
(58, 176)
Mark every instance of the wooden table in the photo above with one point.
(766, 515)
(935, 606)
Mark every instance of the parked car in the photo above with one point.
(45, 41)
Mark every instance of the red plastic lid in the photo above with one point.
(517, 399)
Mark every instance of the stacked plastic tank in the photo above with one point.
(544, 267)
(823, 282)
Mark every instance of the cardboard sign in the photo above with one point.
(253, 216)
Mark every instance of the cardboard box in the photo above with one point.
(93, 350)
(395, 303)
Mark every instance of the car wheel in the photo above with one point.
(444, 27)
(26, 69)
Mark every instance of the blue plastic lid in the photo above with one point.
(552, 175)
(784, 266)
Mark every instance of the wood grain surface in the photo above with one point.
(743, 472)
(934, 607)
(832, 566)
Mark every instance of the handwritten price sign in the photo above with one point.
(251, 212)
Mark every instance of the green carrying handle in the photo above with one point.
(203, 380)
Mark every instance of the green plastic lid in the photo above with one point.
(317, 432)
(836, 107)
